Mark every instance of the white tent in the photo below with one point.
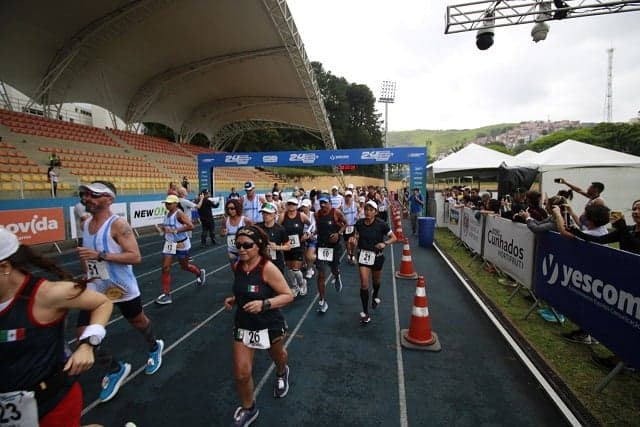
(477, 161)
(581, 164)
(528, 155)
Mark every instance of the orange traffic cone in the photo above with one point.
(419, 336)
(406, 266)
(399, 234)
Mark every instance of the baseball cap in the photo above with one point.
(9, 243)
(373, 204)
(323, 199)
(348, 193)
(248, 186)
(362, 199)
(269, 208)
(172, 199)
(306, 203)
(293, 201)
(335, 187)
(350, 187)
(97, 187)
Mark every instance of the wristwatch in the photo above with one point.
(266, 304)
(92, 340)
(102, 255)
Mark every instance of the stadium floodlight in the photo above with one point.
(484, 38)
(541, 28)
(387, 96)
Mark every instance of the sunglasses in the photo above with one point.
(91, 194)
(231, 208)
(245, 245)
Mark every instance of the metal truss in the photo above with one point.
(281, 16)
(225, 135)
(470, 16)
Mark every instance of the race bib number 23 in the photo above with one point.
(18, 409)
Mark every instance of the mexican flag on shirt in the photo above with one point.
(10, 335)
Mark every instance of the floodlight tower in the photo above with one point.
(387, 96)
(608, 101)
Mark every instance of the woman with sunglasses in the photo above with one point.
(37, 373)
(259, 291)
(233, 222)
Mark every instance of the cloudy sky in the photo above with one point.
(445, 82)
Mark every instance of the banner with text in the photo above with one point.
(143, 214)
(454, 220)
(471, 229)
(596, 287)
(510, 246)
(35, 226)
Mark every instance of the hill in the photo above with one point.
(443, 140)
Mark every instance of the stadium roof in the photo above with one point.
(217, 67)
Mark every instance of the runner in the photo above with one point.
(309, 239)
(372, 235)
(278, 238)
(294, 223)
(350, 209)
(251, 202)
(259, 291)
(176, 243)
(234, 221)
(110, 249)
(38, 384)
(330, 225)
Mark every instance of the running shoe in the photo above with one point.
(338, 283)
(375, 303)
(202, 277)
(303, 288)
(309, 273)
(112, 381)
(244, 417)
(281, 387)
(164, 299)
(155, 359)
(364, 318)
(351, 260)
(296, 291)
(322, 306)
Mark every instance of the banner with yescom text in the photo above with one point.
(471, 229)
(454, 220)
(116, 208)
(510, 246)
(142, 214)
(596, 287)
(35, 226)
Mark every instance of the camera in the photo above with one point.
(540, 31)
(484, 38)
(557, 180)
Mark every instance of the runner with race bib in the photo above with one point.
(294, 223)
(259, 291)
(233, 222)
(372, 235)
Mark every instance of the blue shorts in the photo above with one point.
(179, 254)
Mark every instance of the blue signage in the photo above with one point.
(594, 289)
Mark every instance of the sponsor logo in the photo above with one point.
(306, 158)
(591, 287)
(239, 159)
(378, 156)
(339, 157)
(270, 159)
(507, 249)
(415, 155)
(150, 213)
(35, 226)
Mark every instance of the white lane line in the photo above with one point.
(402, 395)
(514, 345)
(164, 353)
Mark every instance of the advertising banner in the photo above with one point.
(471, 229)
(143, 214)
(510, 246)
(116, 208)
(35, 226)
(596, 287)
(455, 215)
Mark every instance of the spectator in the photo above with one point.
(487, 205)
(337, 201)
(173, 189)
(185, 183)
(52, 177)
(54, 160)
(593, 192)
(548, 223)
(275, 188)
(187, 206)
(416, 206)
(206, 218)
(233, 194)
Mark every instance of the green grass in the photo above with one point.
(617, 405)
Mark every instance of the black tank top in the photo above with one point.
(326, 225)
(249, 286)
(30, 352)
(293, 225)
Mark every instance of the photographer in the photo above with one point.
(593, 192)
(549, 223)
(206, 218)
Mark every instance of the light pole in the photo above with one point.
(387, 96)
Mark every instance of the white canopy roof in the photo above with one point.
(575, 154)
(527, 155)
(476, 160)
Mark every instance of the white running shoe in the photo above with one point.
(303, 288)
(309, 273)
(322, 306)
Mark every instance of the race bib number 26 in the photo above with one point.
(255, 339)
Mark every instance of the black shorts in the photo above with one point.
(377, 264)
(337, 254)
(296, 254)
(128, 309)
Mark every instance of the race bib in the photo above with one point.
(254, 339)
(294, 240)
(18, 409)
(325, 254)
(366, 257)
(169, 247)
(231, 241)
(97, 270)
(349, 229)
